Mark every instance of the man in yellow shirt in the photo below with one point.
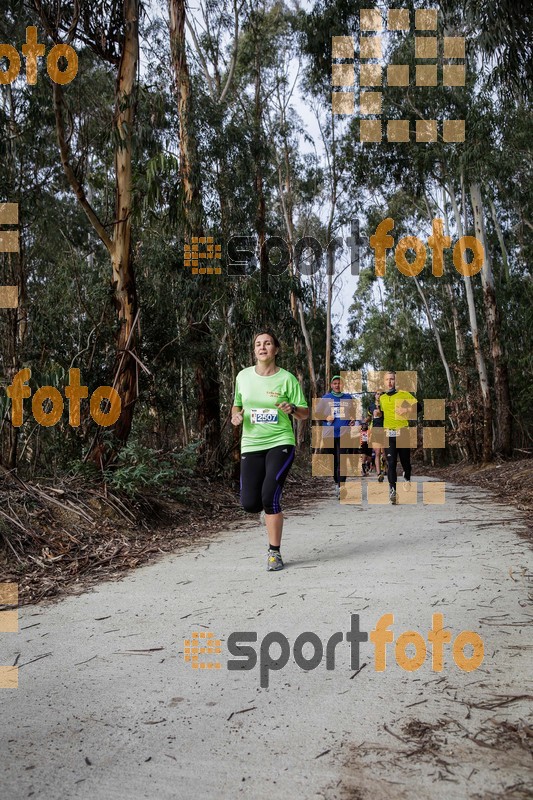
(397, 407)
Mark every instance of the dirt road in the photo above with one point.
(107, 707)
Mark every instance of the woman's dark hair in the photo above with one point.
(268, 333)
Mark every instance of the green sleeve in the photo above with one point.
(237, 400)
(296, 394)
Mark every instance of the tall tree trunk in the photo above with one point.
(457, 330)
(433, 327)
(501, 241)
(480, 361)
(17, 318)
(330, 257)
(260, 213)
(297, 308)
(203, 354)
(125, 294)
(189, 173)
(230, 332)
(328, 319)
(501, 377)
(119, 244)
(466, 449)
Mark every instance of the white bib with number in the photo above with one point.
(393, 433)
(264, 415)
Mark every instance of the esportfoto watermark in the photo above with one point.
(246, 657)
(74, 392)
(33, 50)
(307, 254)
(362, 57)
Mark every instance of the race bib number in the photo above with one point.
(392, 433)
(264, 415)
(364, 436)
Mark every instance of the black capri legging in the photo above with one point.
(263, 474)
(391, 453)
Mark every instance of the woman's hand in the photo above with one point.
(237, 418)
(287, 408)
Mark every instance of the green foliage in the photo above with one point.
(193, 325)
(141, 468)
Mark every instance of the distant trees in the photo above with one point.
(111, 31)
(184, 123)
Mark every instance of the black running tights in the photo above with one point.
(263, 474)
(405, 460)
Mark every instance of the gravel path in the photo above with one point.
(107, 707)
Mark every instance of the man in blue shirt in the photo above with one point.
(337, 415)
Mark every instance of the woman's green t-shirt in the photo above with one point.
(264, 425)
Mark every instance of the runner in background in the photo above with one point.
(366, 461)
(376, 422)
(266, 397)
(331, 407)
(395, 405)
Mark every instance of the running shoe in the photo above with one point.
(381, 476)
(407, 482)
(274, 561)
(392, 495)
(337, 491)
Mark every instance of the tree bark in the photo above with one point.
(458, 333)
(125, 294)
(328, 323)
(17, 318)
(119, 243)
(501, 377)
(440, 348)
(330, 252)
(297, 308)
(190, 184)
(199, 342)
(501, 241)
(260, 214)
(480, 361)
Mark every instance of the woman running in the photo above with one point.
(266, 396)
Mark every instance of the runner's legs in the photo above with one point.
(337, 459)
(263, 475)
(278, 464)
(391, 453)
(253, 470)
(405, 461)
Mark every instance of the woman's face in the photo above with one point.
(264, 348)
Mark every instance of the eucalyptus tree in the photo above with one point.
(111, 31)
(316, 29)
